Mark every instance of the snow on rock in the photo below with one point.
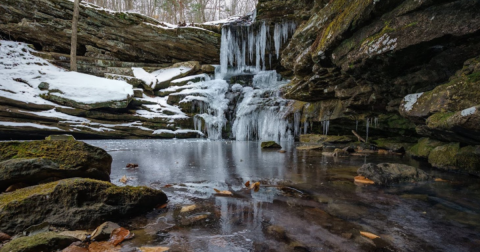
(410, 100)
(193, 78)
(33, 125)
(176, 132)
(21, 73)
(160, 76)
(469, 111)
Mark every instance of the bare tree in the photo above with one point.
(73, 52)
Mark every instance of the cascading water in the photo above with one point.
(259, 110)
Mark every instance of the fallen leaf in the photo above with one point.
(130, 165)
(382, 152)
(16, 186)
(167, 186)
(124, 179)
(162, 206)
(188, 208)
(369, 235)
(74, 248)
(81, 235)
(223, 192)
(153, 249)
(247, 184)
(440, 180)
(103, 247)
(282, 151)
(363, 180)
(118, 235)
(255, 186)
(4, 237)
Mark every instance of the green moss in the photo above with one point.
(66, 153)
(444, 156)
(474, 77)
(21, 194)
(270, 144)
(49, 241)
(423, 148)
(468, 159)
(439, 120)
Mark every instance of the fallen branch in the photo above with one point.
(358, 136)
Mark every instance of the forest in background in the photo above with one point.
(175, 11)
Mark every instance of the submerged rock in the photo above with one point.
(32, 162)
(49, 241)
(271, 145)
(74, 203)
(387, 173)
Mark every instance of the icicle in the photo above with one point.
(296, 123)
(376, 122)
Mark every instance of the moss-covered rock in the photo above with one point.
(60, 137)
(74, 203)
(312, 138)
(270, 145)
(392, 144)
(423, 148)
(468, 159)
(49, 241)
(444, 156)
(34, 161)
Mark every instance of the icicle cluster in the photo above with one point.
(242, 46)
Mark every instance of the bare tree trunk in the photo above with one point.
(73, 52)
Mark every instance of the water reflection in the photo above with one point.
(307, 202)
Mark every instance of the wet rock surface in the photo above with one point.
(48, 241)
(74, 203)
(387, 173)
(35, 161)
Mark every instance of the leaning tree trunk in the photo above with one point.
(73, 52)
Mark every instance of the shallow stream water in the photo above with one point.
(306, 202)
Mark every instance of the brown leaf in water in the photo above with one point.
(118, 235)
(167, 186)
(124, 179)
(440, 180)
(4, 237)
(154, 249)
(369, 235)
(363, 180)
(162, 206)
(74, 248)
(383, 152)
(223, 192)
(188, 208)
(247, 184)
(103, 247)
(255, 186)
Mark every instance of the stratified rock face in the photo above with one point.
(35, 161)
(357, 56)
(74, 203)
(124, 36)
(386, 173)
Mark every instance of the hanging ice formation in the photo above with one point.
(260, 111)
(368, 126)
(326, 126)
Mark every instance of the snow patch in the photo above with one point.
(33, 125)
(410, 100)
(469, 111)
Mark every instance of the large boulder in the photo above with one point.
(118, 35)
(453, 157)
(48, 241)
(423, 148)
(74, 203)
(387, 173)
(34, 161)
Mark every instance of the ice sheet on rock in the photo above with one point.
(469, 111)
(159, 76)
(33, 125)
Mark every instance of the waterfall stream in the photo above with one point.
(244, 94)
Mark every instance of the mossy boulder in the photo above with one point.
(392, 144)
(49, 241)
(34, 161)
(270, 145)
(60, 137)
(468, 159)
(423, 148)
(387, 173)
(312, 138)
(74, 203)
(444, 156)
